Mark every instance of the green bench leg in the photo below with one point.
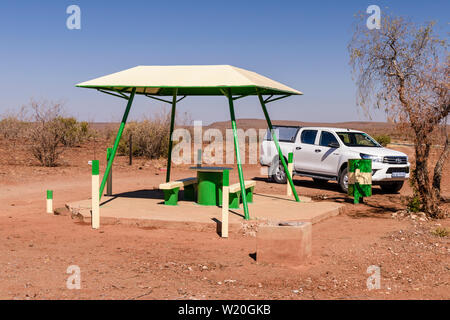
(171, 197)
(189, 192)
(234, 200)
(249, 194)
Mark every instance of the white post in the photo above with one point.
(199, 157)
(95, 215)
(290, 170)
(224, 224)
(49, 201)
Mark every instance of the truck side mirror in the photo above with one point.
(334, 145)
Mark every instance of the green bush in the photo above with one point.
(13, 125)
(150, 137)
(440, 232)
(50, 132)
(72, 133)
(383, 139)
(414, 204)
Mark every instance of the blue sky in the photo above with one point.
(302, 44)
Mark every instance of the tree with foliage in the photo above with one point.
(403, 68)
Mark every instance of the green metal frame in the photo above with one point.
(229, 95)
(243, 90)
(170, 196)
(116, 142)
(109, 180)
(172, 124)
(275, 140)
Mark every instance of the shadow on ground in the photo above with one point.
(380, 205)
(140, 194)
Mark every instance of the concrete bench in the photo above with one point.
(235, 193)
(172, 188)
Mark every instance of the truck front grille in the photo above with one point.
(395, 160)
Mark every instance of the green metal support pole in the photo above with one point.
(280, 154)
(172, 124)
(116, 142)
(238, 155)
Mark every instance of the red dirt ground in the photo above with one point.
(122, 262)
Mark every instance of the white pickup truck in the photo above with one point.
(322, 154)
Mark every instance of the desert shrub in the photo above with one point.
(414, 204)
(73, 132)
(440, 232)
(10, 128)
(45, 133)
(150, 137)
(383, 139)
(13, 125)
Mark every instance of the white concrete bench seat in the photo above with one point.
(172, 188)
(235, 193)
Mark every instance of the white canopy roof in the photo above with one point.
(190, 80)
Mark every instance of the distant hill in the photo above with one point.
(262, 124)
(373, 128)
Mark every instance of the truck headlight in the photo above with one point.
(373, 158)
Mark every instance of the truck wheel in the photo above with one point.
(343, 180)
(278, 174)
(392, 187)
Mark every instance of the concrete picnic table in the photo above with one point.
(210, 182)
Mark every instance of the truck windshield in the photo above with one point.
(284, 134)
(357, 139)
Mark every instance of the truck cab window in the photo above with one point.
(283, 134)
(326, 138)
(308, 136)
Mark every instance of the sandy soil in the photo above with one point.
(122, 262)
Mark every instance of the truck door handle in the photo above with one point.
(317, 150)
(298, 148)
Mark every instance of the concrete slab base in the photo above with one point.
(145, 208)
(285, 243)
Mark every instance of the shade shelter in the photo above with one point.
(178, 82)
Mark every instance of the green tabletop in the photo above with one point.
(210, 183)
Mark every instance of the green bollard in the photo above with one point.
(359, 179)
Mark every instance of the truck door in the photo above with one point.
(327, 157)
(304, 155)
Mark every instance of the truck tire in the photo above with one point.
(392, 187)
(343, 180)
(277, 172)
